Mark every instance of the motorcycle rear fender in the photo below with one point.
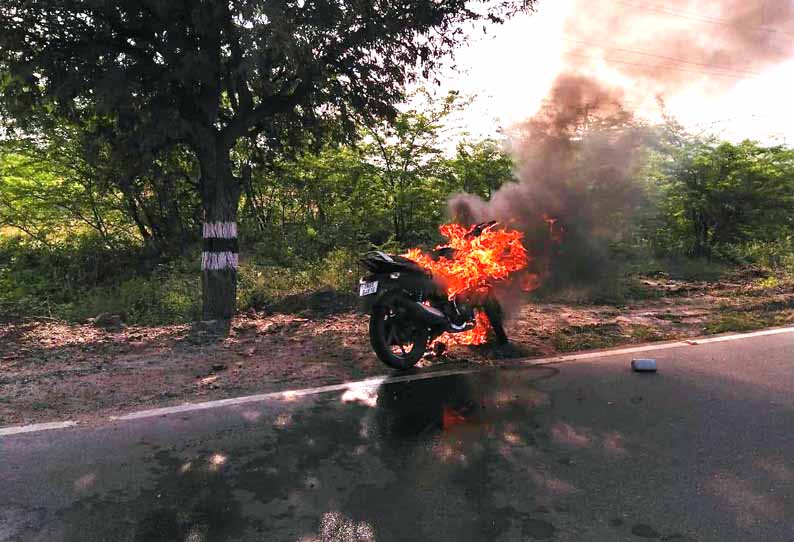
(386, 284)
(414, 285)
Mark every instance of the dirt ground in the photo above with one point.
(52, 370)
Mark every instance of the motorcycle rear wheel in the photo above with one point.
(397, 341)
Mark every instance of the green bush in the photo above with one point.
(260, 285)
(338, 270)
(157, 299)
(78, 278)
(772, 255)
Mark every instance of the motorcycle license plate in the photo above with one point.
(367, 288)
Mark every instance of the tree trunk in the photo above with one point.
(702, 245)
(219, 258)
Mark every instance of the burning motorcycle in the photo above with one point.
(419, 299)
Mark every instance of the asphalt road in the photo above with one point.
(587, 450)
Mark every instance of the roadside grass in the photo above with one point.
(262, 285)
(752, 317)
(781, 281)
(645, 334)
(670, 317)
(587, 337)
(598, 336)
(637, 290)
(735, 321)
(78, 281)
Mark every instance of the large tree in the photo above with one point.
(723, 195)
(209, 73)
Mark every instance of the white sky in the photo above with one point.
(512, 67)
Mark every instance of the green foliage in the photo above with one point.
(390, 188)
(177, 70)
(585, 337)
(168, 296)
(777, 254)
(736, 321)
(407, 155)
(262, 285)
(82, 246)
(46, 192)
(47, 279)
(88, 230)
(50, 190)
(677, 267)
(227, 82)
(77, 280)
(719, 197)
(480, 167)
(643, 334)
(770, 282)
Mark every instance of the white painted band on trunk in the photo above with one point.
(220, 230)
(216, 261)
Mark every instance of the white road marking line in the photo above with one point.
(35, 427)
(744, 335)
(376, 381)
(288, 394)
(655, 346)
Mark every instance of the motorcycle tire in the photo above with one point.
(383, 339)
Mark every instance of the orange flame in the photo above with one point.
(480, 262)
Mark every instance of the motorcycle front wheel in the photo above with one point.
(397, 340)
(496, 317)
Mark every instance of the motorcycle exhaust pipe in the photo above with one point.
(461, 328)
(430, 316)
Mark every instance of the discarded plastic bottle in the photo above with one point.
(644, 365)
